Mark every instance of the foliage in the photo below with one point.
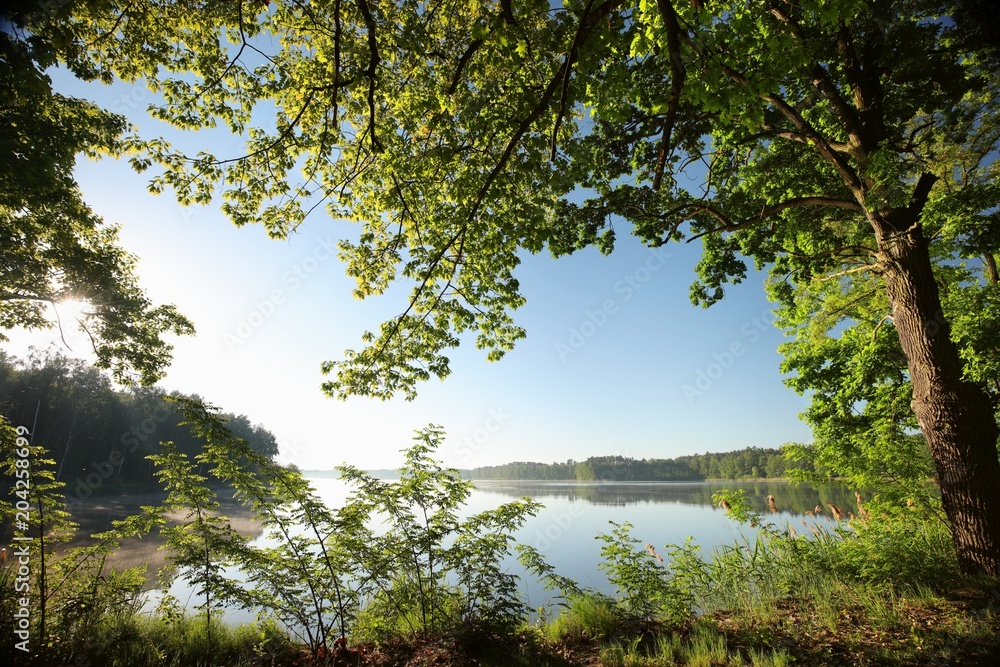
(846, 146)
(70, 592)
(100, 435)
(864, 431)
(200, 545)
(586, 617)
(750, 462)
(333, 572)
(430, 570)
(307, 576)
(648, 591)
(158, 640)
(868, 588)
(883, 547)
(843, 145)
(455, 147)
(53, 247)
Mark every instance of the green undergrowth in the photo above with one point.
(430, 586)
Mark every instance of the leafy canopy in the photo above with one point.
(53, 248)
(456, 133)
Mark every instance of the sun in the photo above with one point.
(72, 312)
(71, 316)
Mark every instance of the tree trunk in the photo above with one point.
(956, 416)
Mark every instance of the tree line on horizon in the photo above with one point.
(747, 463)
(99, 436)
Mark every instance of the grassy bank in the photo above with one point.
(849, 625)
(430, 586)
(883, 591)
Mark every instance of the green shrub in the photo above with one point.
(647, 589)
(587, 616)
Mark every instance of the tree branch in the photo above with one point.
(567, 71)
(921, 192)
(587, 26)
(847, 115)
(768, 211)
(466, 57)
(507, 12)
(846, 272)
(991, 268)
(678, 73)
(373, 62)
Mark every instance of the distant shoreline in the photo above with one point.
(639, 481)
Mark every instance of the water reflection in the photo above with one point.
(564, 531)
(789, 498)
(97, 514)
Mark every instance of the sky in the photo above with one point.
(616, 361)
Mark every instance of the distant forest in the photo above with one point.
(100, 436)
(749, 463)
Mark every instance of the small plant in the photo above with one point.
(429, 570)
(72, 596)
(308, 577)
(202, 543)
(647, 590)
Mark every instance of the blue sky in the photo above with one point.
(617, 360)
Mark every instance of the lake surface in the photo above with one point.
(662, 513)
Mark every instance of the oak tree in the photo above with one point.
(822, 137)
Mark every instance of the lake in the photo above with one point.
(575, 512)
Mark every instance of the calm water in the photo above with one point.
(661, 513)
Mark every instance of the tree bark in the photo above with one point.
(991, 268)
(956, 416)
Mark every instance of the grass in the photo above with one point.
(961, 629)
(143, 640)
(829, 622)
(586, 617)
(874, 593)
(703, 646)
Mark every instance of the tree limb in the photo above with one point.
(678, 72)
(991, 268)
(846, 272)
(466, 57)
(567, 71)
(768, 211)
(373, 62)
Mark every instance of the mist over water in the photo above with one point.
(565, 530)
